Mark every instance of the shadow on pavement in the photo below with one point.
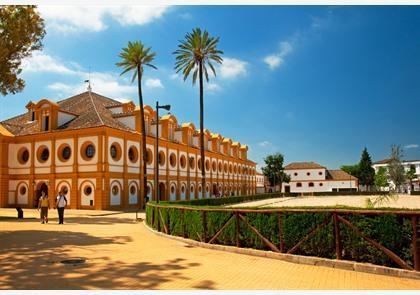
(31, 260)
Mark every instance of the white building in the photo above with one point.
(309, 177)
(260, 183)
(407, 164)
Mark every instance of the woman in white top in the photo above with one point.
(61, 203)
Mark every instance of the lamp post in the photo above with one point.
(166, 107)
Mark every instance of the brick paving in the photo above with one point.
(123, 254)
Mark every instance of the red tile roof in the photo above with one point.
(303, 165)
(339, 175)
(90, 108)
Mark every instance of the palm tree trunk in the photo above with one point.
(143, 134)
(203, 172)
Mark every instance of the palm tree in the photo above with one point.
(193, 55)
(134, 57)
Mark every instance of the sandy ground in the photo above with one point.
(121, 253)
(403, 201)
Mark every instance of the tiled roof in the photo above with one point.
(339, 175)
(387, 161)
(91, 110)
(303, 165)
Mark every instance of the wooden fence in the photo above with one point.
(335, 216)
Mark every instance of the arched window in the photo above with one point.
(311, 184)
(299, 184)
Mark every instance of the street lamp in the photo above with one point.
(166, 107)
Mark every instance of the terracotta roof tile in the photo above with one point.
(339, 175)
(303, 165)
(90, 110)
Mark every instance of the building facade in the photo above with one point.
(407, 164)
(89, 147)
(309, 177)
(261, 183)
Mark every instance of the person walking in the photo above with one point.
(61, 203)
(44, 206)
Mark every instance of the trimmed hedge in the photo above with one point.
(239, 199)
(390, 230)
(415, 193)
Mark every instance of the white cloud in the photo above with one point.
(110, 84)
(265, 143)
(185, 15)
(232, 68)
(70, 19)
(273, 61)
(213, 87)
(277, 59)
(40, 62)
(153, 83)
(107, 84)
(411, 146)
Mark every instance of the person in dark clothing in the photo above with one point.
(61, 203)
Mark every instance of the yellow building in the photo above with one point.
(89, 146)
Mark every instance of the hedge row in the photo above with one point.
(390, 230)
(415, 193)
(239, 199)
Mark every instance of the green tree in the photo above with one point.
(381, 178)
(395, 168)
(351, 169)
(366, 171)
(21, 32)
(197, 51)
(134, 58)
(274, 170)
(410, 175)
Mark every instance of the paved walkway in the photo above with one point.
(123, 254)
(403, 201)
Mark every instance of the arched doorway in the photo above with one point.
(162, 192)
(41, 187)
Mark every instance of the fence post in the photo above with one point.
(168, 220)
(338, 246)
(237, 229)
(153, 217)
(183, 224)
(415, 246)
(204, 226)
(281, 241)
(158, 219)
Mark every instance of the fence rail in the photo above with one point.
(338, 219)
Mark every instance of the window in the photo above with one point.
(161, 158)
(149, 156)
(207, 165)
(192, 189)
(295, 174)
(172, 160)
(319, 173)
(299, 184)
(214, 166)
(88, 190)
(183, 161)
(311, 184)
(115, 190)
(192, 163)
(43, 154)
(64, 152)
(234, 169)
(199, 164)
(308, 173)
(225, 168)
(172, 189)
(183, 189)
(230, 168)
(32, 116)
(133, 190)
(133, 154)
(321, 184)
(22, 190)
(90, 151)
(45, 123)
(23, 155)
(115, 151)
(220, 167)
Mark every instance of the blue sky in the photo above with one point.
(316, 83)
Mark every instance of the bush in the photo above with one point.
(415, 193)
(390, 230)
